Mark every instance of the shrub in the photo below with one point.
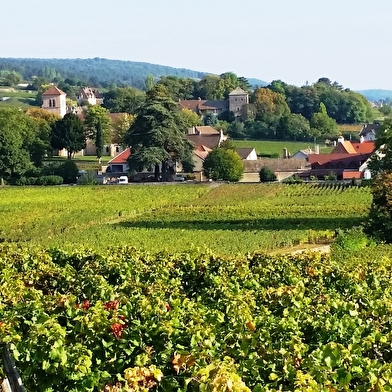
(69, 171)
(266, 174)
(88, 178)
(295, 179)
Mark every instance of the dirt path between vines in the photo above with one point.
(324, 248)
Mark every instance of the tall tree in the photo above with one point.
(68, 133)
(157, 136)
(97, 126)
(14, 158)
(322, 125)
(382, 160)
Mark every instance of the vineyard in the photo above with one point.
(229, 219)
(124, 320)
(172, 288)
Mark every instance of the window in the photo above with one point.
(50, 103)
(117, 149)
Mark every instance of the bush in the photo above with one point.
(88, 178)
(43, 180)
(69, 171)
(295, 179)
(266, 174)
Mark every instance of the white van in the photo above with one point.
(123, 180)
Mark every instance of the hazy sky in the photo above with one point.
(296, 41)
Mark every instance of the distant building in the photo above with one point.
(54, 101)
(237, 99)
(90, 95)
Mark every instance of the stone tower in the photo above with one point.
(54, 101)
(237, 99)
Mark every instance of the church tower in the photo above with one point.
(237, 99)
(54, 101)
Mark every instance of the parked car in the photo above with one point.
(123, 180)
(178, 177)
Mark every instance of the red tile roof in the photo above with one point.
(366, 147)
(121, 158)
(344, 147)
(54, 91)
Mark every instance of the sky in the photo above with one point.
(296, 41)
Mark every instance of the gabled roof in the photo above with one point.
(238, 91)
(203, 104)
(121, 158)
(244, 152)
(323, 159)
(202, 130)
(365, 147)
(210, 141)
(202, 152)
(53, 90)
(344, 147)
(367, 128)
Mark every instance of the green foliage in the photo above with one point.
(132, 320)
(68, 133)
(352, 240)
(233, 218)
(98, 126)
(295, 179)
(42, 180)
(68, 171)
(331, 176)
(157, 136)
(223, 164)
(379, 221)
(88, 178)
(266, 174)
(14, 138)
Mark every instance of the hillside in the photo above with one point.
(376, 95)
(98, 70)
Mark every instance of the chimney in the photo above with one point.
(317, 149)
(285, 153)
(340, 139)
(361, 139)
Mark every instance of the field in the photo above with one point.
(172, 288)
(270, 147)
(21, 99)
(227, 218)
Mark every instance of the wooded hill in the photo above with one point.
(98, 71)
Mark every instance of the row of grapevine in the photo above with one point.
(123, 318)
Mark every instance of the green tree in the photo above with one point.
(97, 126)
(149, 82)
(379, 220)
(123, 100)
(293, 127)
(266, 174)
(120, 125)
(68, 133)
(322, 125)
(210, 119)
(14, 158)
(190, 118)
(382, 159)
(223, 164)
(157, 136)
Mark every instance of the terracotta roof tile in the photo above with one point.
(121, 158)
(54, 91)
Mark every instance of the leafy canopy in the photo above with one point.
(157, 136)
(223, 164)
